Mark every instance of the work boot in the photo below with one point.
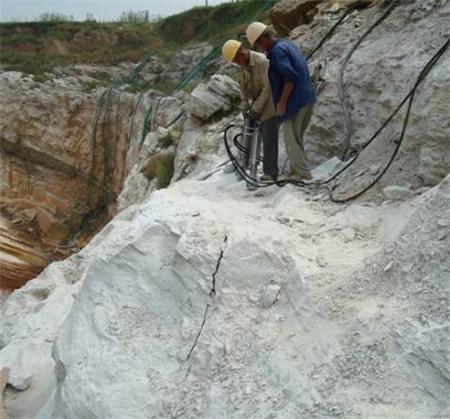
(293, 175)
(304, 175)
(299, 175)
(268, 178)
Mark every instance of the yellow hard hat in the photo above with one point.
(230, 48)
(254, 31)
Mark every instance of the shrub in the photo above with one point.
(55, 17)
(211, 23)
(161, 167)
(135, 17)
(30, 46)
(40, 78)
(164, 85)
(130, 38)
(167, 140)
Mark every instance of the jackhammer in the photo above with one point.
(249, 148)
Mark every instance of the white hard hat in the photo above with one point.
(230, 49)
(254, 31)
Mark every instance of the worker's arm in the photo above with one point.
(282, 103)
(288, 77)
(265, 93)
(243, 84)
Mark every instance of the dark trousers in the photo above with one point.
(269, 133)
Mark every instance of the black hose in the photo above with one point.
(422, 75)
(248, 178)
(330, 32)
(343, 99)
(244, 149)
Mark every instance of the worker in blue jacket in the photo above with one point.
(292, 90)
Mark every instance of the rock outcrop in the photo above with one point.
(289, 14)
(56, 171)
(378, 76)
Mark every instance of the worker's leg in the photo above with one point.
(269, 133)
(294, 130)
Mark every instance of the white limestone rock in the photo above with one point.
(200, 148)
(373, 95)
(20, 376)
(218, 94)
(397, 193)
(327, 169)
(138, 313)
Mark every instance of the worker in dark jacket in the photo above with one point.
(292, 90)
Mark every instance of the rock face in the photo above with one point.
(201, 148)
(182, 63)
(56, 171)
(379, 74)
(289, 14)
(38, 135)
(166, 126)
(21, 258)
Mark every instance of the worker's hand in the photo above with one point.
(255, 115)
(281, 108)
(245, 106)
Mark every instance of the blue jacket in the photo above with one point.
(287, 63)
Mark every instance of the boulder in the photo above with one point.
(397, 193)
(288, 14)
(219, 94)
(138, 320)
(372, 96)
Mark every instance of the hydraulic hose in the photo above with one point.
(410, 96)
(342, 98)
